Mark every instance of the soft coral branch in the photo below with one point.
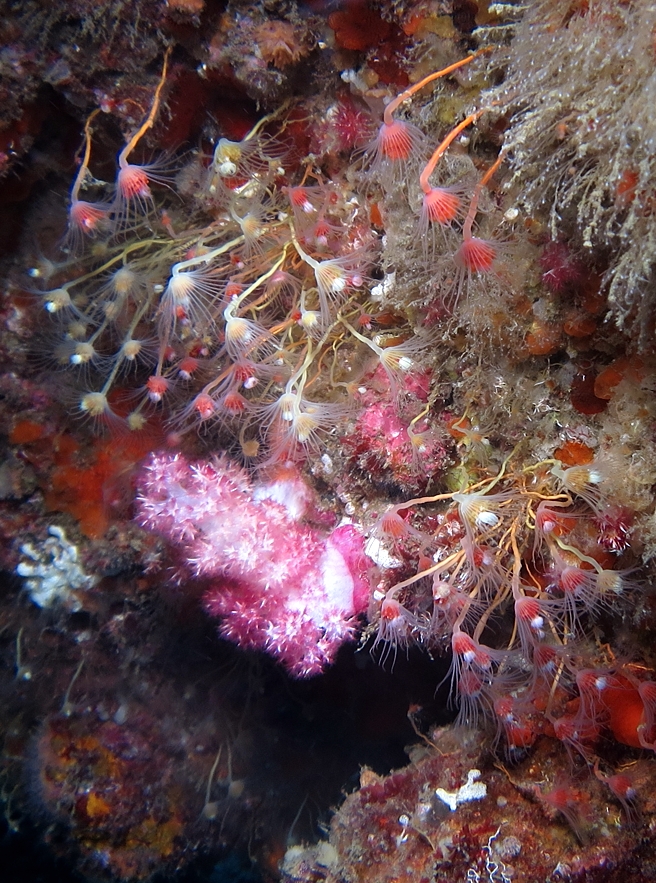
(278, 584)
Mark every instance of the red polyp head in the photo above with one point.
(546, 519)
(395, 141)
(527, 609)
(393, 524)
(157, 386)
(482, 556)
(560, 798)
(85, 216)
(244, 374)
(503, 708)
(591, 681)
(298, 196)
(483, 659)
(187, 366)
(545, 659)
(132, 183)
(572, 579)
(520, 735)
(463, 645)
(570, 803)
(519, 730)
(233, 289)
(441, 206)
(390, 609)
(622, 786)
(476, 255)
(470, 683)
(204, 405)
(235, 403)
(576, 731)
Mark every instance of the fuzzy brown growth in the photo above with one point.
(281, 43)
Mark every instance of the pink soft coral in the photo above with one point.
(279, 584)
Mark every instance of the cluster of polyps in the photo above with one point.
(399, 157)
(245, 308)
(518, 556)
(237, 309)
